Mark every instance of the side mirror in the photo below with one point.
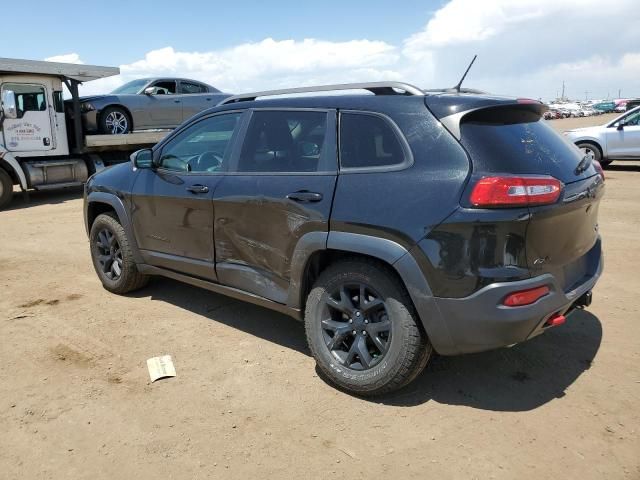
(9, 107)
(150, 91)
(142, 158)
(620, 126)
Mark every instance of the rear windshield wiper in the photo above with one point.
(584, 164)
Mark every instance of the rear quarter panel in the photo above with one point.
(405, 205)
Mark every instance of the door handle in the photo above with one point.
(176, 101)
(198, 188)
(304, 196)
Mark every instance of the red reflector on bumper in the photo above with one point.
(556, 320)
(525, 297)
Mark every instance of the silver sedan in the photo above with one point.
(146, 103)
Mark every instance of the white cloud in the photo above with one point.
(525, 48)
(464, 21)
(267, 64)
(66, 58)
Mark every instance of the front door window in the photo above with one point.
(31, 131)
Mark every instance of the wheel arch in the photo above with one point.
(97, 203)
(9, 163)
(318, 250)
(592, 141)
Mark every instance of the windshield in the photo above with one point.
(132, 87)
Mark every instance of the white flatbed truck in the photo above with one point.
(42, 149)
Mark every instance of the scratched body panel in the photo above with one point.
(256, 228)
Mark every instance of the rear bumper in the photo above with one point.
(480, 322)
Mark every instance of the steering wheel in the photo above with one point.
(207, 162)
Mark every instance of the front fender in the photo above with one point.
(592, 139)
(116, 203)
(8, 157)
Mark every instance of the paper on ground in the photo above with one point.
(161, 367)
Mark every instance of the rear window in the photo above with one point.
(517, 141)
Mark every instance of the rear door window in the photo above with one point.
(189, 87)
(292, 141)
(370, 141)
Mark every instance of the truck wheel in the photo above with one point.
(6, 188)
(115, 120)
(362, 328)
(112, 257)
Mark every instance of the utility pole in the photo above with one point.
(586, 94)
(563, 89)
(619, 93)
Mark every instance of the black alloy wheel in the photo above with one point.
(356, 326)
(109, 254)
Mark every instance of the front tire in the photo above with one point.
(115, 120)
(112, 256)
(362, 329)
(6, 188)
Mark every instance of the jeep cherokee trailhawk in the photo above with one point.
(394, 222)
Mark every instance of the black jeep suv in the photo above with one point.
(394, 222)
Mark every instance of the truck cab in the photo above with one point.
(40, 148)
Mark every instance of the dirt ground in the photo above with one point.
(76, 402)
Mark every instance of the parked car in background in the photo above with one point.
(616, 140)
(621, 107)
(604, 107)
(146, 103)
(631, 104)
(390, 236)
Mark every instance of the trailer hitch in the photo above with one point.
(584, 301)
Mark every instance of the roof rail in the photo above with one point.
(378, 88)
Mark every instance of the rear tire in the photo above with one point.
(115, 120)
(388, 349)
(112, 257)
(6, 188)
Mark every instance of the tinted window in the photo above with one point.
(284, 141)
(516, 141)
(368, 141)
(188, 87)
(202, 147)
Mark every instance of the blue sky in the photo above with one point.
(116, 31)
(525, 47)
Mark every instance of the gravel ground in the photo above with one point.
(76, 402)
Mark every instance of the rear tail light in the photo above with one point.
(515, 191)
(525, 297)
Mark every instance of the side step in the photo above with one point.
(53, 186)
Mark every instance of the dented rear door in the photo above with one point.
(280, 189)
